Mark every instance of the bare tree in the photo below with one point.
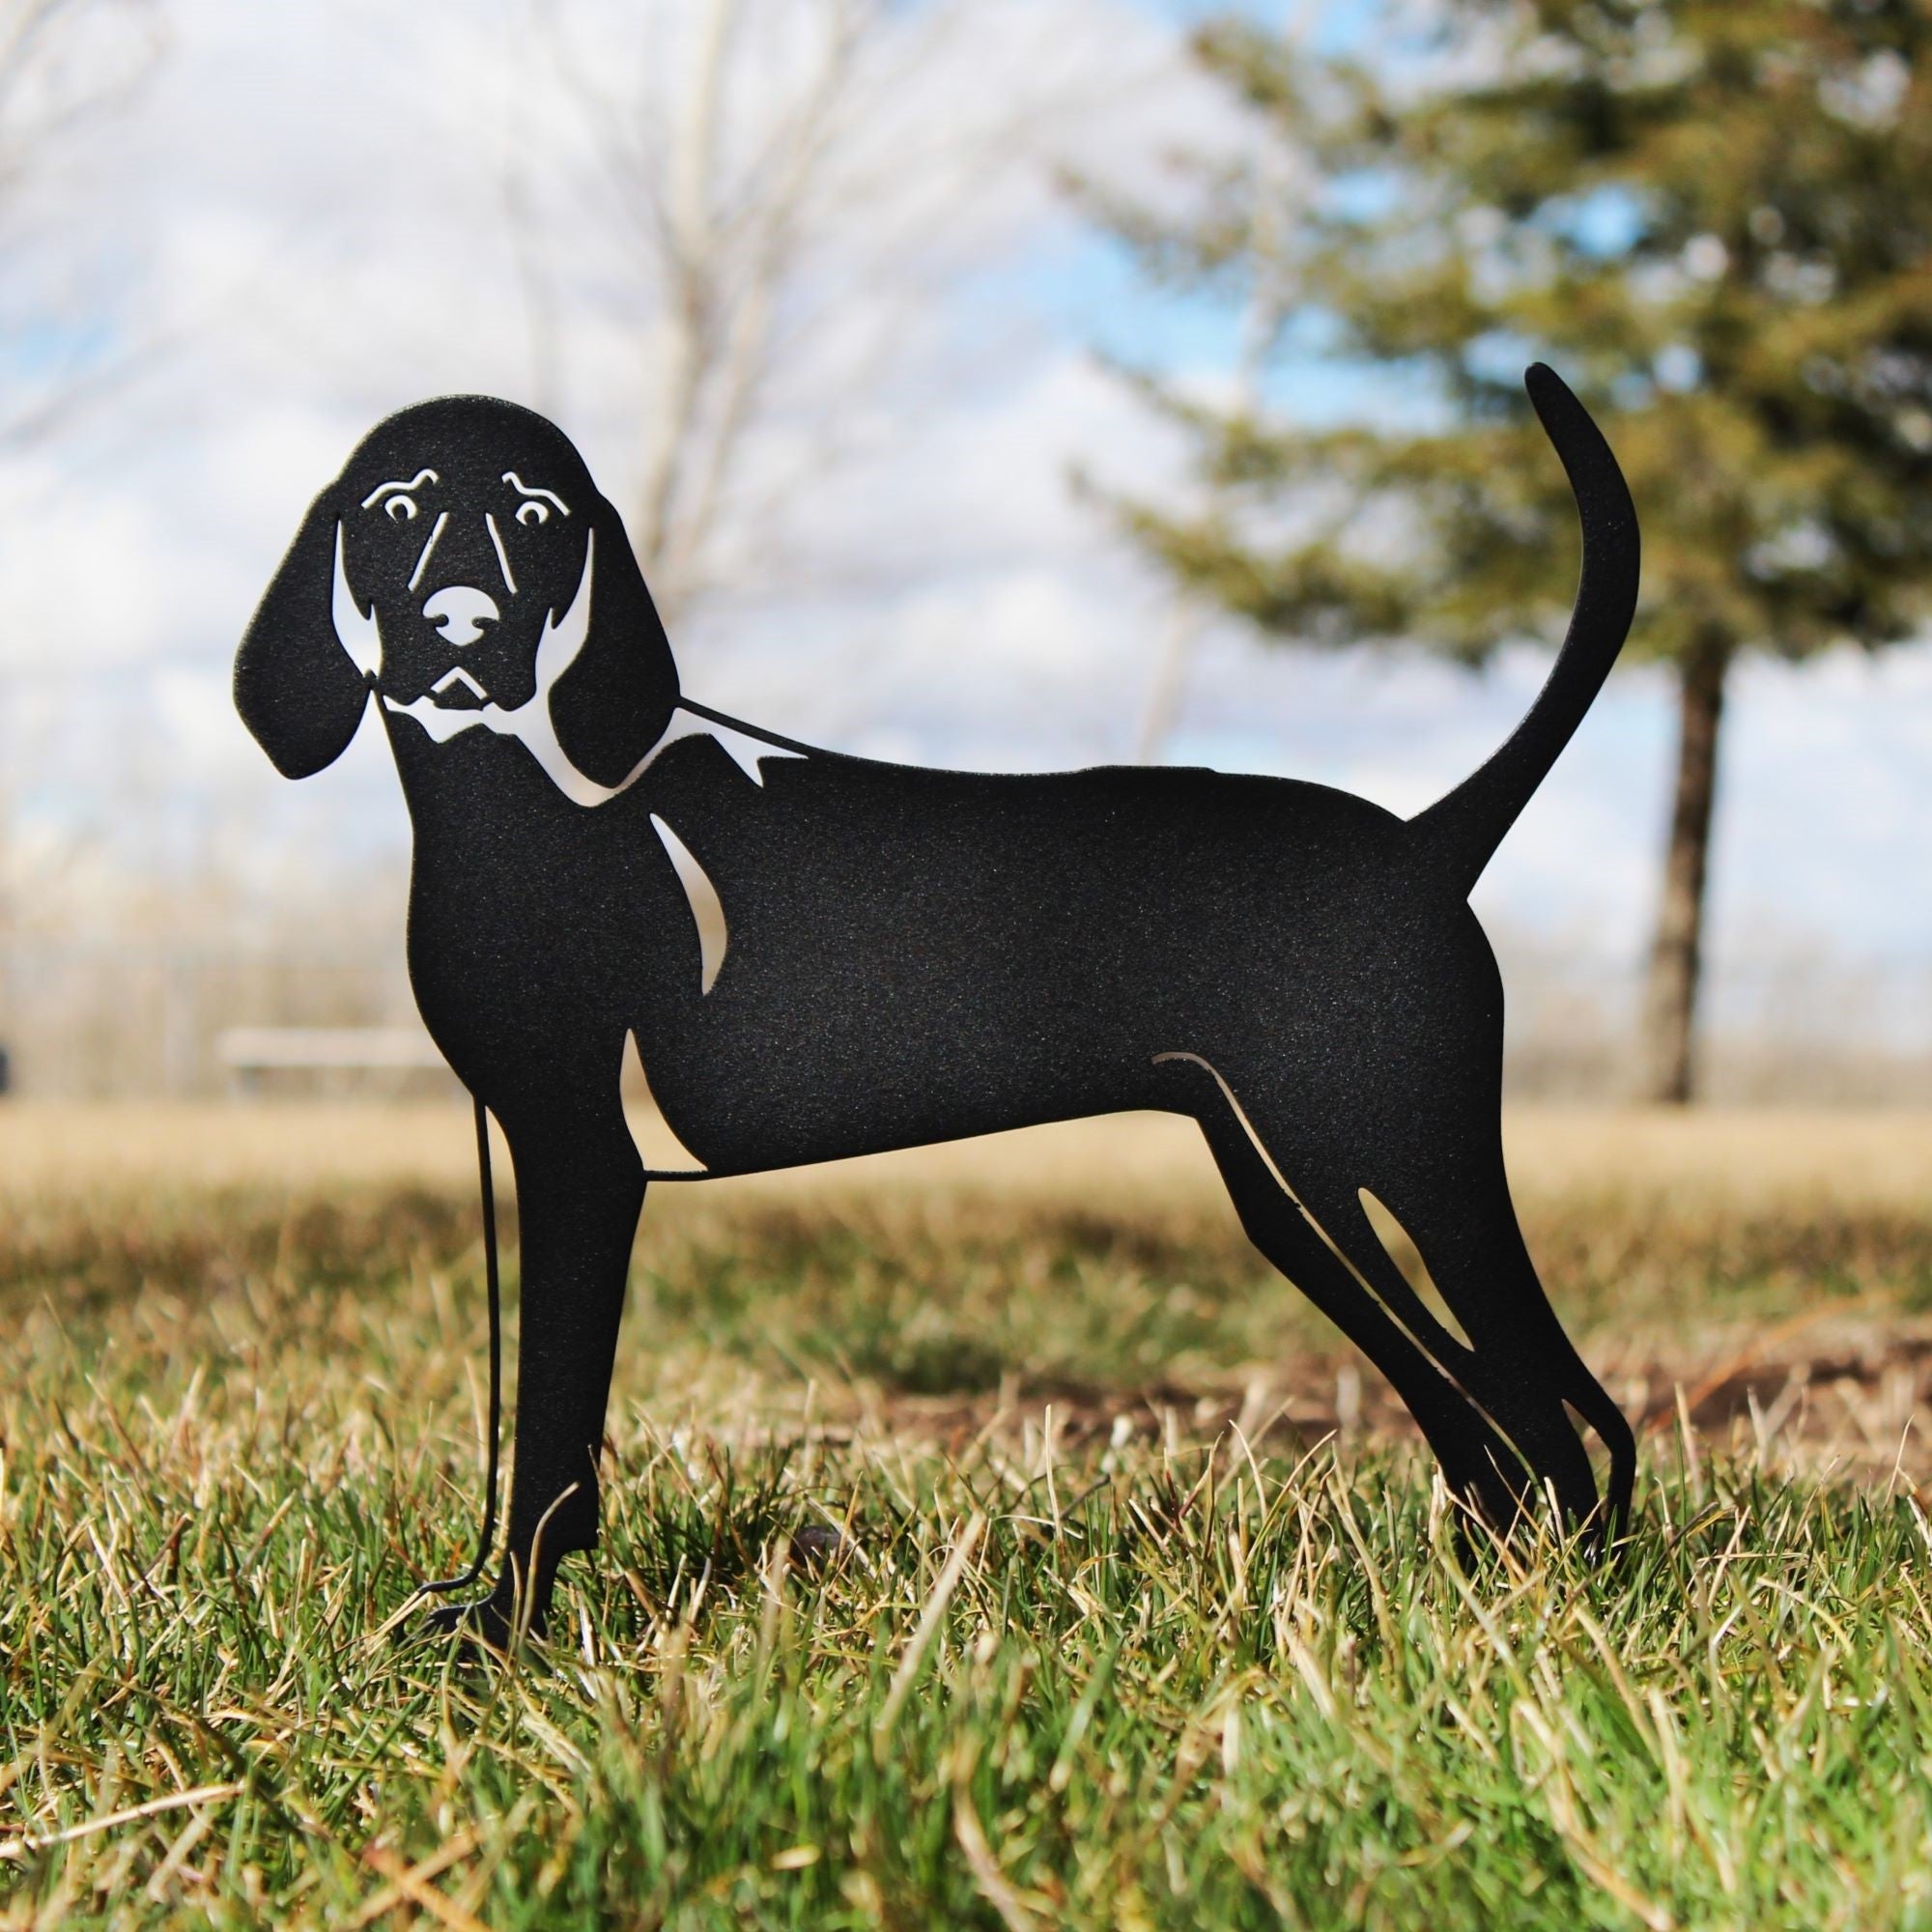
(64, 63)
(780, 206)
(1282, 191)
(1270, 296)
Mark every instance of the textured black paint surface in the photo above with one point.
(919, 955)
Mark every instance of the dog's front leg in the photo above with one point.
(580, 1189)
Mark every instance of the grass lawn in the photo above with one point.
(994, 1542)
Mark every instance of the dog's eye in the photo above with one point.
(533, 513)
(402, 508)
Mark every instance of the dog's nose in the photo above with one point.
(459, 612)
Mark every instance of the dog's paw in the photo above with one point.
(479, 1628)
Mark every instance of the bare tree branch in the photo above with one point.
(65, 64)
(781, 203)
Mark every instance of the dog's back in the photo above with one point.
(916, 955)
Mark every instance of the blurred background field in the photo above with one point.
(1772, 1271)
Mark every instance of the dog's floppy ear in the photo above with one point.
(295, 685)
(613, 703)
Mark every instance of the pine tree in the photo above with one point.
(1713, 217)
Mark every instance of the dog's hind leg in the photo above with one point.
(1518, 1373)
(1477, 1461)
(1494, 1394)
(1453, 1202)
(1445, 1185)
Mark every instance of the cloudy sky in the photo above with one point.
(295, 218)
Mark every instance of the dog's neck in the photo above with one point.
(485, 810)
(532, 725)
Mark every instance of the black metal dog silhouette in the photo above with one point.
(820, 955)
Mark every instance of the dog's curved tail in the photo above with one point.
(1461, 831)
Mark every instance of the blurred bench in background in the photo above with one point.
(250, 1056)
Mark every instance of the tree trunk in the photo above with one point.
(1676, 958)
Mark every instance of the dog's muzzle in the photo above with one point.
(457, 690)
(459, 612)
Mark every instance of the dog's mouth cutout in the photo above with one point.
(457, 691)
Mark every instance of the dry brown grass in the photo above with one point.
(1770, 1270)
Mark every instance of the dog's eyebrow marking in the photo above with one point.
(708, 909)
(415, 482)
(502, 558)
(429, 544)
(516, 482)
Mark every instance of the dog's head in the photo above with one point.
(463, 567)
